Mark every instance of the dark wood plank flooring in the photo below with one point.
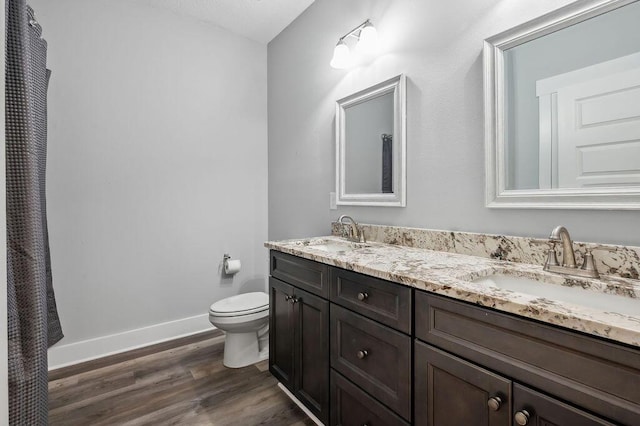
(175, 383)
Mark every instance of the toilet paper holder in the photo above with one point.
(229, 266)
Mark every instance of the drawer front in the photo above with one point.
(383, 301)
(374, 357)
(350, 406)
(303, 273)
(582, 370)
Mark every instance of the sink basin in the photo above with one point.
(574, 295)
(333, 246)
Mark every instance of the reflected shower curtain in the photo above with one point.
(33, 319)
(387, 163)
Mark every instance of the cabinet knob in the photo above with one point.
(362, 354)
(522, 417)
(362, 296)
(291, 299)
(494, 403)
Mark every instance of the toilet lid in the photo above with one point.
(241, 304)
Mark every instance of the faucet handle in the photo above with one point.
(361, 236)
(589, 264)
(552, 257)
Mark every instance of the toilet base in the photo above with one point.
(242, 349)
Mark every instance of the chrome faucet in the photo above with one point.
(355, 232)
(568, 266)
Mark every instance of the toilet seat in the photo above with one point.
(241, 304)
(245, 321)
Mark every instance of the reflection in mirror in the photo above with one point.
(370, 146)
(563, 109)
(367, 126)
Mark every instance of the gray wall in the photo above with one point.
(157, 164)
(575, 47)
(438, 45)
(364, 125)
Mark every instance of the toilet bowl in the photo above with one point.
(245, 320)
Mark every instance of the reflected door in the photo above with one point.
(590, 126)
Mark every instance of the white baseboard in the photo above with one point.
(86, 350)
(300, 404)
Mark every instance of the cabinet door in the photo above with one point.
(535, 409)
(312, 353)
(452, 392)
(281, 325)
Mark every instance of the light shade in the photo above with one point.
(368, 39)
(341, 56)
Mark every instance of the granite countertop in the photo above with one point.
(451, 274)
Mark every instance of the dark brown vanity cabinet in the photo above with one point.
(350, 358)
(370, 349)
(478, 366)
(359, 350)
(299, 341)
(451, 391)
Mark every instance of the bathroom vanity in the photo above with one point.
(386, 334)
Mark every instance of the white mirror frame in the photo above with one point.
(497, 195)
(398, 198)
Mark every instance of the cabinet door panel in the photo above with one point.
(546, 411)
(374, 357)
(312, 353)
(281, 324)
(451, 392)
(350, 406)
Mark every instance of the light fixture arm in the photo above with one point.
(353, 32)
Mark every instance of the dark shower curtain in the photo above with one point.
(387, 163)
(33, 319)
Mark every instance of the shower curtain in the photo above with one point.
(32, 315)
(387, 163)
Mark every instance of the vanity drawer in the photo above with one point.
(381, 300)
(582, 370)
(351, 406)
(373, 356)
(303, 273)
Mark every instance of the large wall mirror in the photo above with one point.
(562, 109)
(370, 146)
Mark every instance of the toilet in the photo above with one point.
(245, 320)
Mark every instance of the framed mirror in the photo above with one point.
(562, 109)
(371, 145)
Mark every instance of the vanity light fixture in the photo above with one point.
(367, 43)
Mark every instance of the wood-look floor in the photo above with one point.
(170, 385)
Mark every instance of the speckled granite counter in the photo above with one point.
(451, 274)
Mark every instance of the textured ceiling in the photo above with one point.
(259, 20)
